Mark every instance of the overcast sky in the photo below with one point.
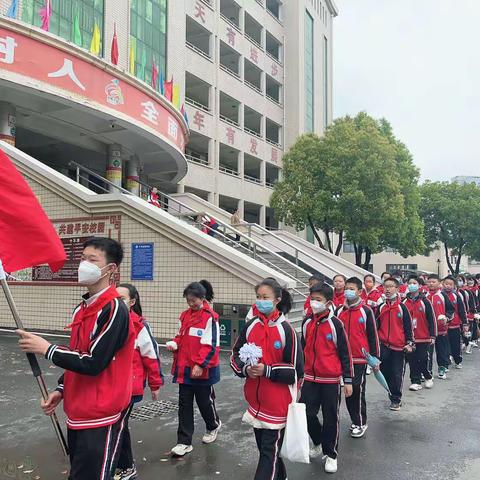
(416, 63)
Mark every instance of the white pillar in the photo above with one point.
(132, 176)
(114, 166)
(8, 122)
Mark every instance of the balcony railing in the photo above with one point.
(272, 142)
(229, 171)
(230, 72)
(195, 159)
(234, 25)
(252, 132)
(196, 104)
(253, 87)
(249, 178)
(273, 57)
(247, 36)
(274, 100)
(199, 51)
(229, 120)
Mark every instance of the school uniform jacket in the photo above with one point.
(198, 343)
(269, 396)
(359, 323)
(146, 358)
(443, 309)
(372, 298)
(423, 318)
(97, 383)
(459, 314)
(338, 298)
(326, 349)
(307, 309)
(469, 302)
(394, 324)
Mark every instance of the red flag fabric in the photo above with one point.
(154, 75)
(27, 237)
(169, 90)
(114, 50)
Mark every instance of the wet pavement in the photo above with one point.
(435, 436)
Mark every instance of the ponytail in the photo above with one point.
(285, 304)
(134, 295)
(202, 289)
(209, 295)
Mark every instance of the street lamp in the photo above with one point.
(438, 266)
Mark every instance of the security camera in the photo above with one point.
(112, 124)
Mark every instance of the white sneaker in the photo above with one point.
(359, 432)
(429, 383)
(459, 366)
(211, 435)
(369, 370)
(316, 451)
(415, 387)
(331, 465)
(180, 450)
(475, 343)
(468, 350)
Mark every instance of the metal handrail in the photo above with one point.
(194, 103)
(252, 132)
(195, 159)
(230, 72)
(229, 120)
(201, 52)
(229, 171)
(253, 87)
(252, 179)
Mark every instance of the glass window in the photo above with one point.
(64, 13)
(348, 247)
(148, 29)
(325, 81)
(309, 76)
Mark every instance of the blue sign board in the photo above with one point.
(142, 261)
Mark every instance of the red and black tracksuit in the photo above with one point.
(268, 396)
(470, 310)
(338, 298)
(474, 293)
(458, 321)
(97, 383)
(361, 329)
(372, 298)
(328, 361)
(395, 332)
(424, 332)
(198, 343)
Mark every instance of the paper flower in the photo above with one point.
(250, 354)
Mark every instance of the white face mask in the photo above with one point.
(318, 307)
(89, 273)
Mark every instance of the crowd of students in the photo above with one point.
(112, 356)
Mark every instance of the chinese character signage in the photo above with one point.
(142, 261)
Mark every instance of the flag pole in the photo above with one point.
(32, 360)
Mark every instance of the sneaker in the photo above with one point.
(316, 451)
(127, 474)
(475, 343)
(352, 426)
(429, 383)
(359, 432)
(458, 366)
(211, 435)
(369, 370)
(442, 373)
(180, 450)
(447, 370)
(394, 406)
(415, 387)
(468, 350)
(331, 465)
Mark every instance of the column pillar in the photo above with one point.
(8, 122)
(114, 166)
(132, 175)
(180, 187)
(263, 215)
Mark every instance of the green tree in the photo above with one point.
(352, 183)
(451, 214)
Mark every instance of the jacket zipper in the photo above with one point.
(258, 398)
(315, 350)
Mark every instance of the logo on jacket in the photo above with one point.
(329, 336)
(439, 302)
(399, 315)
(199, 333)
(277, 345)
(420, 309)
(361, 320)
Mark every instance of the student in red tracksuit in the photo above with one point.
(443, 309)
(196, 365)
(267, 389)
(458, 323)
(154, 197)
(470, 310)
(383, 277)
(472, 287)
(339, 290)
(361, 329)
(396, 338)
(146, 369)
(96, 387)
(370, 294)
(312, 281)
(424, 332)
(328, 361)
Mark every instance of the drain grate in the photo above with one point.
(153, 410)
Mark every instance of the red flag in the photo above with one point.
(27, 237)
(114, 50)
(154, 75)
(169, 90)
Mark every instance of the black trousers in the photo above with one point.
(94, 451)
(431, 349)
(418, 361)
(474, 330)
(125, 459)
(270, 464)
(356, 403)
(465, 340)
(442, 351)
(205, 398)
(454, 339)
(393, 369)
(327, 396)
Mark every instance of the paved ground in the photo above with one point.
(435, 436)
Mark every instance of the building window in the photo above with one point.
(348, 247)
(148, 36)
(309, 73)
(401, 267)
(65, 15)
(325, 82)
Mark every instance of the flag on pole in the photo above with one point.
(162, 86)
(168, 87)
(45, 14)
(176, 96)
(185, 115)
(13, 9)
(114, 49)
(143, 65)
(77, 33)
(131, 56)
(154, 75)
(95, 43)
(27, 237)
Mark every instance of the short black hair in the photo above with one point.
(202, 289)
(450, 277)
(324, 289)
(434, 276)
(385, 273)
(369, 275)
(413, 277)
(355, 281)
(392, 279)
(340, 275)
(317, 277)
(112, 249)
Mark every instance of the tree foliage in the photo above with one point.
(358, 182)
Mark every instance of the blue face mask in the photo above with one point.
(350, 294)
(413, 287)
(264, 306)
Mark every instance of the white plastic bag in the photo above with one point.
(296, 445)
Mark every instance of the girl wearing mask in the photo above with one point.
(370, 294)
(146, 369)
(267, 383)
(196, 365)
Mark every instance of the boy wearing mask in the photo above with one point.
(315, 279)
